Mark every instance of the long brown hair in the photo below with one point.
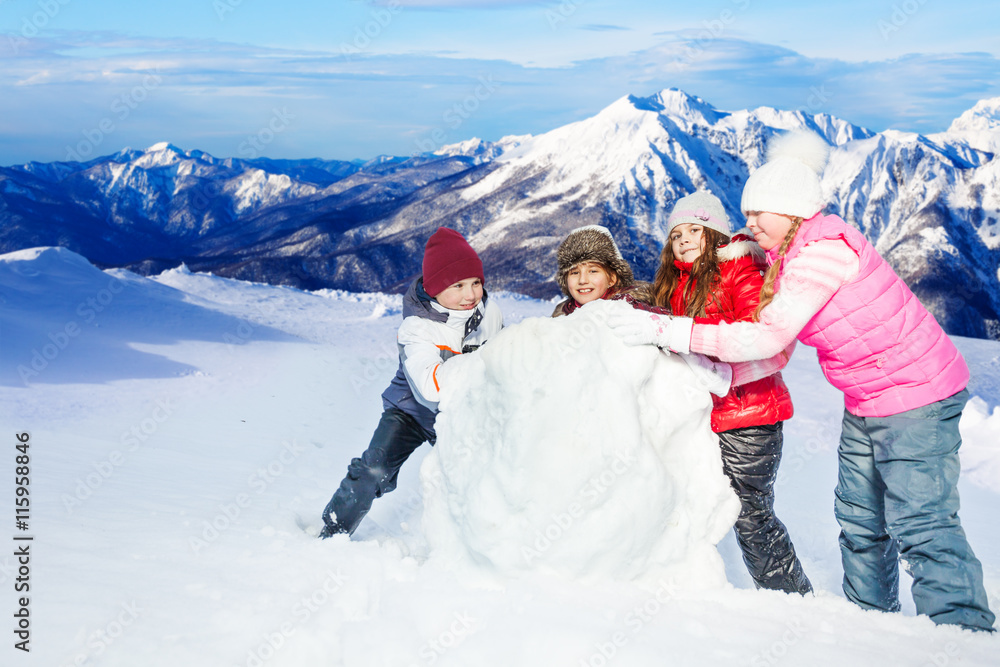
(767, 289)
(704, 275)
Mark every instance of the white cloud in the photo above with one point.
(211, 95)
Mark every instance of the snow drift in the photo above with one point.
(562, 450)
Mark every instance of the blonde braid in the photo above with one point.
(767, 289)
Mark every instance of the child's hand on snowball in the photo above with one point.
(638, 327)
(716, 376)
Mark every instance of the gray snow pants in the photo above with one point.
(897, 498)
(750, 458)
(396, 437)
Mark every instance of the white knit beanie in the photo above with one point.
(700, 208)
(788, 183)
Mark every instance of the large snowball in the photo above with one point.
(562, 450)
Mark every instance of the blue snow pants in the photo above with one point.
(897, 499)
(396, 437)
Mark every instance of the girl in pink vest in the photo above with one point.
(903, 382)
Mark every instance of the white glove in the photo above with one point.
(639, 327)
(716, 376)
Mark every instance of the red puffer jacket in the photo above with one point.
(741, 267)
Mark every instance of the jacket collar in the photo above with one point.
(741, 244)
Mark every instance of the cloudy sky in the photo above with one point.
(347, 79)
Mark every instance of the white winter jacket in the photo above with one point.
(430, 335)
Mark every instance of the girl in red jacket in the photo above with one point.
(709, 275)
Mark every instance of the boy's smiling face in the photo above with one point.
(463, 295)
(588, 282)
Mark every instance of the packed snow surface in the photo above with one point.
(185, 432)
(562, 450)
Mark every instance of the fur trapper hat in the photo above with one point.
(788, 183)
(592, 243)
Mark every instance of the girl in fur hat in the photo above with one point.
(706, 273)
(904, 385)
(591, 268)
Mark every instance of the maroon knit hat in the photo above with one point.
(448, 258)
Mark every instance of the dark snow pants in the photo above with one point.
(396, 437)
(897, 498)
(750, 458)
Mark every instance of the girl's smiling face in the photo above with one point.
(588, 282)
(687, 242)
(769, 229)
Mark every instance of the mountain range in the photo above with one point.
(929, 203)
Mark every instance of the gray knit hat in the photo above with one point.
(700, 208)
(592, 243)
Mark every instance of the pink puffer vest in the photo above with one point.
(876, 341)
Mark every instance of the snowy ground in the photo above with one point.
(185, 433)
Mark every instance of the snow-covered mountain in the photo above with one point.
(931, 204)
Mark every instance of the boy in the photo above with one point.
(445, 312)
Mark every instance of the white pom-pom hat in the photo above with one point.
(788, 183)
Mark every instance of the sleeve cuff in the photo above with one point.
(704, 339)
(680, 334)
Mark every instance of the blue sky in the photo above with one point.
(346, 79)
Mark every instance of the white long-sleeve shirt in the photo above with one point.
(807, 282)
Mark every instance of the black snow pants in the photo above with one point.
(396, 437)
(750, 458)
